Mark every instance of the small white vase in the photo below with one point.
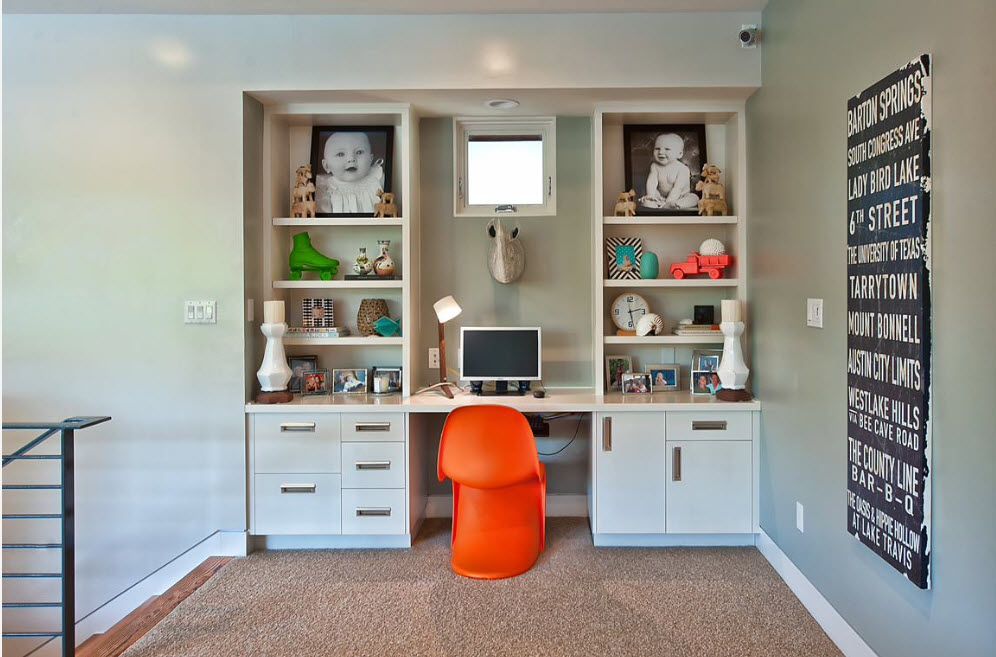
(274, 373)
(732, 370)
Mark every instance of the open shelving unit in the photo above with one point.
(286, 144)
(671, 238)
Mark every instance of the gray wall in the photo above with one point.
(815, 56)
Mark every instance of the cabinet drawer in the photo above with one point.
(373, 465)
(297, 504)
(373, 511)
(371, 427)
(296, 443)
(681, 425)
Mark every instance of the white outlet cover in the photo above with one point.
(814, 313)
(799, 518)
(434, 357)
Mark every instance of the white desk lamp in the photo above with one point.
(446, 309)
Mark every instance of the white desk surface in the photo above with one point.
(556, 400)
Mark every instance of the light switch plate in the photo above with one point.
(814, 313)
(200, 312)
(799, 519)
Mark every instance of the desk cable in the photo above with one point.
(569, 442)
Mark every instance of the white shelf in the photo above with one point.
(671, 282)
(336, 221)
(348, 341)
(319, 285)
(664, 339)
(670, 221)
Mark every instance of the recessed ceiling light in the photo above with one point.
(501, 103)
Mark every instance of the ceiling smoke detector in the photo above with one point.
(501, 103)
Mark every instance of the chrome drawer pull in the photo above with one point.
(297, 426)
(373, 465)
(298, 488)
(373, 426)
(373, 511)
(676, 464)
(607, 434)
(708, 425)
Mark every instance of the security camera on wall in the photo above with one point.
(748, 36)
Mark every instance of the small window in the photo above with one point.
(504, 166)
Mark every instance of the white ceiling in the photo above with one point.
(371, 6)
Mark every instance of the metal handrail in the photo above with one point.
(66, 430)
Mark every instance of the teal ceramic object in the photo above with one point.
(387, 327)
(304, 257)
(649, 266)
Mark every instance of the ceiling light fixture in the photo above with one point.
(501, 103)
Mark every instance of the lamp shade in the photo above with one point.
(446, 309)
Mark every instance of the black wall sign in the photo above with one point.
(888, 319)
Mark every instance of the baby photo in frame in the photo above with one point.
(663, 164)
(351, 164)
(664, 377)
(349, 381)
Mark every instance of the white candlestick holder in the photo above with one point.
(274, 374)
(732, 370)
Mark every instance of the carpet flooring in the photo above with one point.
(578, 600)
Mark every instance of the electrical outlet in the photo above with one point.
(200, 312)
(434, 357)
(799, 524)
(814, 313)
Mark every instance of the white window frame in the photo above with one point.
(466, 127)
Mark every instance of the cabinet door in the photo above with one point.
(630, 473)
(709, 486)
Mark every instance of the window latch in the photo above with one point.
(506, 209)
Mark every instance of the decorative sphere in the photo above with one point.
(712, 247)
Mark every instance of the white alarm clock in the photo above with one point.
(627, 309)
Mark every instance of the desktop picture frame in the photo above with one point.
(300, 365)
(615, 367)
(329, 202)
(706, 360)
(315, 382)
(704, 382)
(638, 150)
(385, 380)
(664, 377)
(623, 256)
(636, 383)
(352, 381)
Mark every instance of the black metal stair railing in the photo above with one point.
(66, 430)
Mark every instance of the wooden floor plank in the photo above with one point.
(135, 625)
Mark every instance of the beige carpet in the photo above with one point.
(578, 600)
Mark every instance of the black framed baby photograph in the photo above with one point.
(351, 164)
(663, 164)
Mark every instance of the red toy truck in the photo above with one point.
(700, 264)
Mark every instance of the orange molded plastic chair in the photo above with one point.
(499, 491)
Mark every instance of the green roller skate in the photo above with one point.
(305, 257)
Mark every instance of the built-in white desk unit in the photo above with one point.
(669, 468)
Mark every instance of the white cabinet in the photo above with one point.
(630, 463)
(709, 486)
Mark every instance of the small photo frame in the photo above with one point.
(663, 163)
(317, 313)
(385, 380)
(636, 383)
(351, 164)
(299, 366)
(349, 381)
(615, 367)
(664, 377)
(705, 382)
(315, 383)
(623, 255)
(706, 360)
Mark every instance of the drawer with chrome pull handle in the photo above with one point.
(685, 425)
(296, 442)
(373, 465)
(373, 511)
(295, 504)
(370, 511)
(380, 427)
(298, 488)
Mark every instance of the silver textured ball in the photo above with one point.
(712, 247)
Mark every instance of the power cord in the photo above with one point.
(576, 429)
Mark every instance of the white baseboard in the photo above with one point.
(218, 544)
(557, 506)
(672, 540)
(842, 634)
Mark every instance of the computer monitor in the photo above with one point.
(510, 353)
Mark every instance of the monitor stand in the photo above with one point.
(501, 388)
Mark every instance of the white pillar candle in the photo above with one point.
(731, 310)
(273, 312)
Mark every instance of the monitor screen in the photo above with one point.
(500, 354)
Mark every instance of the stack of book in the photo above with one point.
(329, 332)
(697, 330)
